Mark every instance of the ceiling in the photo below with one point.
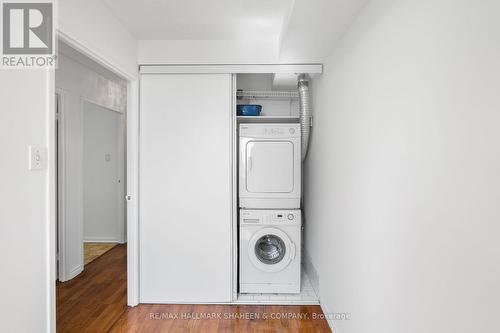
(202, 19)
(235, 31)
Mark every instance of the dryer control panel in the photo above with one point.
(266, 131)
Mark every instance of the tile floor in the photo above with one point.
(307, 296)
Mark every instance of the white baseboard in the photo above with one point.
(311, 271)
(313, 275)
(73, 273)
(328, 318)
(102, 240)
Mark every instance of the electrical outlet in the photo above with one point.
(37, 158)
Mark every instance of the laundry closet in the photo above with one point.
(220, 184)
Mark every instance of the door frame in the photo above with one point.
(132, 162)
(62, 274)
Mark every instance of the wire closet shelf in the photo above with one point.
(272, 94)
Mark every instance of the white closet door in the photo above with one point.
(185, 188)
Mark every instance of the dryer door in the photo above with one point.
(269, 167)
(271, 250)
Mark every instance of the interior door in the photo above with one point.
(185, 188)
(269, 166)
(102, 171)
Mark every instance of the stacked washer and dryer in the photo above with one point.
(269, 200)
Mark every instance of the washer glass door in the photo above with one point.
(270, 249)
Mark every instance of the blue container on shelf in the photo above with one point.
(248, 109)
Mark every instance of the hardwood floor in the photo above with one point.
(95, 301)
(92, 251)
(225, 318)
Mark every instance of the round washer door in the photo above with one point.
(271, 250)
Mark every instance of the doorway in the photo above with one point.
(92, 104)
(103, 180)
(91, 252)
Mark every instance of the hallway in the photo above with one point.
(95, 301)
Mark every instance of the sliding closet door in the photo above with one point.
(185, 188)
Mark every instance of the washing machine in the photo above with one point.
(269, 251)
(269, 166)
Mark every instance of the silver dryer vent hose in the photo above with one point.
(305, 112)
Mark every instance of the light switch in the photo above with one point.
(37, 158)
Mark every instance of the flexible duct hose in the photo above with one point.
(305, 112)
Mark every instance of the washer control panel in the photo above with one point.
(257, 216)
(284, 216)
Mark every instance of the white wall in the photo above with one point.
(26, 106)
(402, 179)
(154, 52)
(25, 279)
(79, 82)
(313, 26)
(92, 25)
